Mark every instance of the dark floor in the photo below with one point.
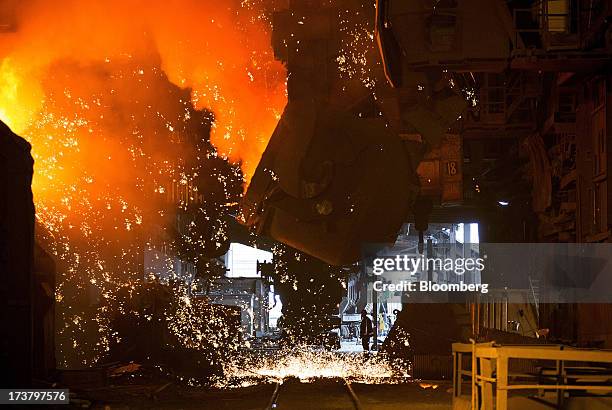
(324, 395)
(405, 396)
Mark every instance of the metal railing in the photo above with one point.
(490, 382)
(548, 25)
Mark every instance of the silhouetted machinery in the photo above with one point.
(17, 262)
(456, 35)
(331, 180)
(334, 177)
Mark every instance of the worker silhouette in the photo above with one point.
(365, 330)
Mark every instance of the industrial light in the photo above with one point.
(503, 203)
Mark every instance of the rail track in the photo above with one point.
(292, 394)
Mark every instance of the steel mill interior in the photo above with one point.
(306, 204)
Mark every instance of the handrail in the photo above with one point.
(501, 354)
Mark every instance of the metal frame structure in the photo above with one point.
(490, 384)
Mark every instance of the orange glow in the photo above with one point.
(221, 50)
(107, 92)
